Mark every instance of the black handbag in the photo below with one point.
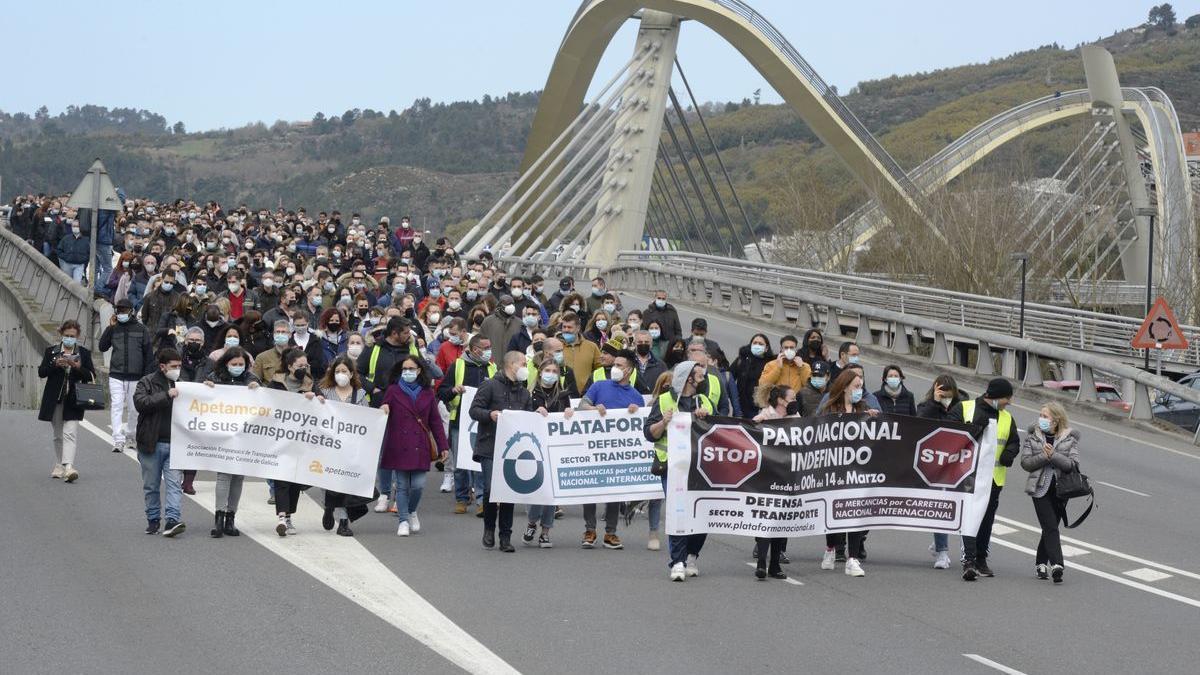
(89, 396)
(658, 468)
(1072, 485)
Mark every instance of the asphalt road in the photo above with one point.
(84, 589)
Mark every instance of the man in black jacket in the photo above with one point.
(154, 398)
(505, 391)
(376, 363)
(665, 314)
(132, 357)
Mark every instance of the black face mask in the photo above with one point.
(300, 374)
(643, 350)
(793, 408)
(537, 346)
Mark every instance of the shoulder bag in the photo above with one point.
(1071, 485)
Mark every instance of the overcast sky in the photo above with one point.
(224, 63)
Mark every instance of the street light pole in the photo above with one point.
(1150, 212)
(1024, 258)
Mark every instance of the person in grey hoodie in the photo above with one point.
(1049, 451)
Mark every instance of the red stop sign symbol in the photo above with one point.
(945, 457)
(728, 456)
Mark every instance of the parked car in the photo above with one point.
(1176, 410)
(1107, 393)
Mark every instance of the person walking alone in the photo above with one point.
(1050, 451)
(63, 366)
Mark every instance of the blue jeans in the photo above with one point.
(681, 547)
(387, 482)
(941, 542)
(103, 266)
(543, 513)
(155, 468)
(73, 269)
(409, 485)
(654, 513)
(464, 480)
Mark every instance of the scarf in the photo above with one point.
(413, 389)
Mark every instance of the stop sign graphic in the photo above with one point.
(728, 456)
(945, 457)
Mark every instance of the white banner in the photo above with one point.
(583, 460)
(467, 428)
(274, 434)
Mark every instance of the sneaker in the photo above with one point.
(969, 572)
(589, 539)
(414, 522)
(70, 475)
(612, 541)
(783, 559)
(653, 544)
(381, 506)
(281, 526)
(828, 560)
(777, 574)
(981, 566)
(57, 471)
(271, 500)
(344, 528)
(760, 572)
(393, 508)
(403, 530)
(460, 508)
(447, 483)
(479, 511)
(559, 513)
(327, 520)
(943, 561)
(1042, 571)
(678, 572)
(119, 448)
(291, 529)
(854, 568)
(529, 534)
(544, 540)
(489, 539)
(692, 569)
(506, 546)
(173, 528)
(152, 526)
(1056, 573)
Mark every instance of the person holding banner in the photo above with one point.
(292, 377)
(941, 395)
(1050, 451)
(414, 437)
(342, 384)
(550, 393)
(780, 403)
(231, 369)
(469, 370)
(846, 396)
(684, 396)
(154, 397)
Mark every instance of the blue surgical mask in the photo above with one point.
(817, 382)
(758, 350)
(408, 375)
(856, 395)
(69, 341)
(232, 341)
(602, 324)
(655, 333)
(660, 303)
(529, 320)
(893, 382)
(851, 359)
(123, 317)
(236, 371)
(568, 338)
(1044, 424)
(597, 291)
(281, 339)
(487, 355)
(558, 358)
(549, 379)
(435, 292)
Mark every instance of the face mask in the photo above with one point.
(1044, 424)
(232, 341)
(201, 289)
(472, 295)
(75, 231)
(568, 338)
(575, 307)
(213, 323)
(408, 375)
(316, 301)
(817, 382)
(851, 359)
(643, 350)
(300, 374)
(518, 293)
(558, 358)
(655, 333)
(236, 371)
(660, 303)
(435, 292)
(893, 383)
(281, 339)
(300, 330)
(212, 246)
(529, 321)
(455, 340)
(510, 309)
(789, 353)
(69, 341)
(602, 324)
(522, 374)
(635, 326)
(549, 379)
(167, 286)
(597, 291)
(291, 271)
(758, 350)
(609, 307)
(173, 375)
(616, 373)
(123, 318)
(234, 288)
(856, 395)
(454, 305)
(354, 351)
(946, 402)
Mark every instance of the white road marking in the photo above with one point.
(1147, 574)
(1105, 575)
(789, 579)
(1107, 551)
(992, 664)
(346, 566)
(1072, 551)
(1002, 530)
(1123, 489)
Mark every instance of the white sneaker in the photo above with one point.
(447, 482)
(70, 474)
(853, 568)
(57, 471)
(828, 560)
(281, 527)
(943, 561)
(382, 504)
(290, 529)
(403, 530)
(678, 572)
(652, 544)
(692, 570)
(414, 522)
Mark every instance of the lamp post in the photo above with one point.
(1024, 258)
(1148, 212)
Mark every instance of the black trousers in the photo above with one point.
(287, 496)
(1050, 511)
(976, 548)
(837, 541)
(493, 512)
(769, 546)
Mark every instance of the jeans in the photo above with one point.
(387, 482)
(103, 266)
(680, 547)
(543, 513)
(976, 548)
(409, 485)
(287, 497)
(120, 397)
(63, 435)
(155, 469)
(73, 269)
(941, 542)
(464, 480)
(1049, 510)
(493, 511)
(229, 491)
(654, 513)
(612, 513)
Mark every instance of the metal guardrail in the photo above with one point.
(1093, 332)
(51, 291)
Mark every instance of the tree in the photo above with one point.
(1162, 16)
(179, 129)
(1193, 21)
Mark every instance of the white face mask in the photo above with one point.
(510, 309)
(616, 373)
(522, 374)
(173, 375)
(354, 351)
(342, 379)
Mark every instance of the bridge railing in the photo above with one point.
(50, 289)
(1094, 332)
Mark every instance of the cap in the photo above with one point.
(998, 388)
(385, 219)
(700, 323)
(124, 303)
(820, 367)
(442, 241)
(614, 346)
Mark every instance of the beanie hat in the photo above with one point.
(998, 388)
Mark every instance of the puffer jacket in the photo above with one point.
(74, 250)
(153, 404)
(1064, 460)
(498, 393)
(132, 350)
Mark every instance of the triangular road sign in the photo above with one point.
(1160, 330)
(84, 196)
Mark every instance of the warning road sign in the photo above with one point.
(1160, 330)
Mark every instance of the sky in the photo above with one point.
(222, 63)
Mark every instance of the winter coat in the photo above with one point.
(157, 303)
(132, 350)
(153, 404)
(60, 383)
(747, 370)
(498, 393)
(406, 441)
(667, 318)
(500, 328)
(1064, 460)
(934, 410)
(74, 250)
(902, 404)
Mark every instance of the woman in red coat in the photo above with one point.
(413, 439)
